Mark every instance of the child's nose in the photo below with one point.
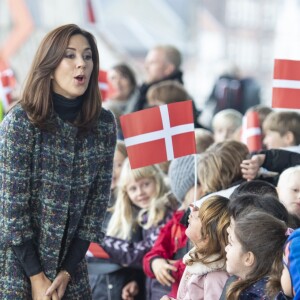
(140, 190)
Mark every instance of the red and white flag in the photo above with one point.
(251, 133)
(95, 250)
(286, 84)
(7, 84)
(159, 134)
(104, 86)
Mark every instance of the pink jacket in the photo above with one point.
(202, 282)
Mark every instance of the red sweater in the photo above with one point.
(171, 238)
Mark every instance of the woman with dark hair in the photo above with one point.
(56, 152)
(123, 93)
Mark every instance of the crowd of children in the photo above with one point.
(238, 239)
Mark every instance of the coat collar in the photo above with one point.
(200, 269)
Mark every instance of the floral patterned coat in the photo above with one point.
(53, 187)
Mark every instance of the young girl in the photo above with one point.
(255, 241)
(204, 276)
(219, 168)
(163, 263)
(290, 277)
(141, 208)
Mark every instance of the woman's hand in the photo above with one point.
(59, 285)
(162, 269)
(39, 285)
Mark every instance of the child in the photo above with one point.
(170, 91)
(288, 188)
(254, 242)
(219, 168)
(141, 208)
(225, 124)
(290, 278)
(163, 263)
(262, 196)
(205, 275)
(255, 187)
(166, 92)
(281, 130)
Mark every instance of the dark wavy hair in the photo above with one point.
(263, 235)
(36, 99)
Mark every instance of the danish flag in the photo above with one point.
(251, 133)
(159, 134)
(103, 84)
(7, 83)
(95, 250)
(286, 84)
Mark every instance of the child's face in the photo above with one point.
(273, 140)
(117, 167)
(141, 191)
(235, 255)
(224, 131)
(286, 283)
(193, 232)
(289, 193)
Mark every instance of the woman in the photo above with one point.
(56, 153)
(124, 88)
(123, 92)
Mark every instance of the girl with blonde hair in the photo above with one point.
(142, 206)
(129, 209)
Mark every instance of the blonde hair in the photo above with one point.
(285, 175)
(219, 166)
(123, 218)
(215, 219)
(225, 115)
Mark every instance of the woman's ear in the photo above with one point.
(249, 259)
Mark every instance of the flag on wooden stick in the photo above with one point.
(159, 134)
(286, 84)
